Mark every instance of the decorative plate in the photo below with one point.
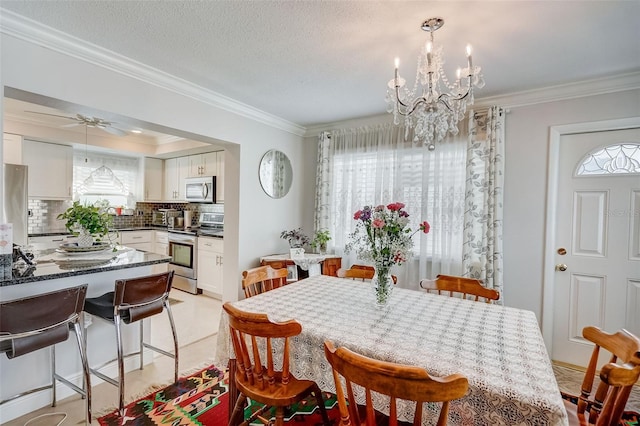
(82, 264)
(74, 248)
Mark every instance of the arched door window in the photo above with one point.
(621, 158)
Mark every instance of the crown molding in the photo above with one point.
(34, 32)
(561, 92)
(579, 89)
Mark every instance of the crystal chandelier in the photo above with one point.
(434, 106)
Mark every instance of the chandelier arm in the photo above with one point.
(416, 104)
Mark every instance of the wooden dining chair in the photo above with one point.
(263, 278)
(460, 287)
(361, 272)
(251, 334)
(617, 378)
(398, 381)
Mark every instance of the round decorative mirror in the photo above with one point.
(276, 174)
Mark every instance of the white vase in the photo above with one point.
(85, 239)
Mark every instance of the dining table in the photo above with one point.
(499, 349)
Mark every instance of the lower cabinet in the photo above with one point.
(139, 240)
(210, 256)
(161, 242)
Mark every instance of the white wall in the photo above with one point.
(254, 221)
(527, 140)
(527, 144)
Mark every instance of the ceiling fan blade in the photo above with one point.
(71, 125)
(114, 130)
(53, 115)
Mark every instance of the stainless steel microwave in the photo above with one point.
(201, 189)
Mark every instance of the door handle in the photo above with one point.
(561, 267)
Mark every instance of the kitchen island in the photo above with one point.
(51, 273)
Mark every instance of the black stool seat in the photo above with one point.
(102, 306)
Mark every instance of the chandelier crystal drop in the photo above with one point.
(434, 106)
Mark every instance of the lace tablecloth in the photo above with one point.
(499, 349)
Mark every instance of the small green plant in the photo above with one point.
(320, 240)
(92, 218)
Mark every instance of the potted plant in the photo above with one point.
(320, 240)
(86, 222)
(296, 238)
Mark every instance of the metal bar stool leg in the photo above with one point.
(175, 340)
(86, 381)
(117, 322)
(53, 375)
(141, 344)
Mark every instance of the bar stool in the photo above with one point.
(41, 321)
(134, 300)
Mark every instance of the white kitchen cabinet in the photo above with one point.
(175, 172)
(202, 164)
(11, 148)
(210, 256)
(50, 170)
(139, 240)
(153, 179)
(161, 242)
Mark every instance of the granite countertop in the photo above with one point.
(49, 265)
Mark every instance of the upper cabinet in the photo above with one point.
(202, 164)
(153, 179)
(176, 171)
(11, 148)
(50, 170)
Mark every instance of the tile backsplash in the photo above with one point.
(43, 215)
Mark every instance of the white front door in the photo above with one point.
(597, 250)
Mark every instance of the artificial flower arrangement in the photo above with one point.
(382, 234)
(296, 238)
(383, 237)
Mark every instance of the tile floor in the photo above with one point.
(570, 380)
(197, 319)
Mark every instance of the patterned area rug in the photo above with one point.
(202, 399)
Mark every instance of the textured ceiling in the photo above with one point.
(313, 62)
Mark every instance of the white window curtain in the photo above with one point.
(483, 227)
(375, 165)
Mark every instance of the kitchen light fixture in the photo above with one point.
(434, 106)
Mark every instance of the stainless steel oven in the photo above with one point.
(183, 247)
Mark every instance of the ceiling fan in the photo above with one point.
(88, 121)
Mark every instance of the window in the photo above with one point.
(623, 158)
(99, 177)
(430, 185)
